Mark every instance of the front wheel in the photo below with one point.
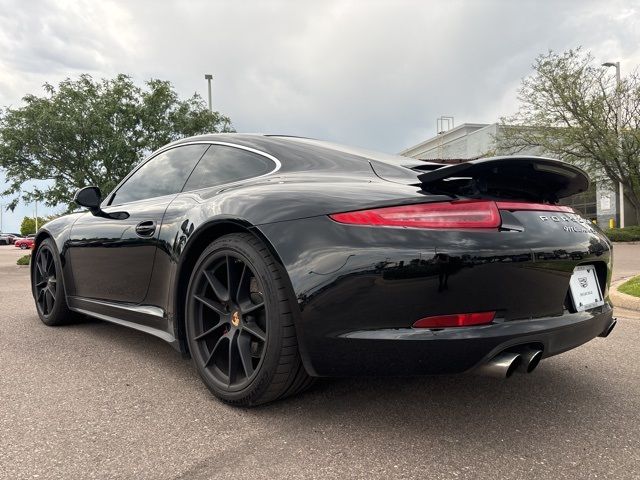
(23, 247)
(239, 324)
(47, 288)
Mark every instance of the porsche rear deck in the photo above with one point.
(432, 286)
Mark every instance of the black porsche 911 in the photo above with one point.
(272, 260)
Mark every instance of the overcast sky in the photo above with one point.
(375, 74)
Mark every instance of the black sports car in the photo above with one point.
(272, 260)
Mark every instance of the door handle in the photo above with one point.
(146, 228)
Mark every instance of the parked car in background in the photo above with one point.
(25, 243)
(8, 238)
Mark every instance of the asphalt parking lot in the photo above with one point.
(99, 401)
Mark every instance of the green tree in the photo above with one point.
(28, 225)
(88, 132)
(569, 108)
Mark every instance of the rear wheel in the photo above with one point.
(239, 324)
(47, 287)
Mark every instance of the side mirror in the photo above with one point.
(89, 197)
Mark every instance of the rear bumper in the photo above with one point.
(411, 351)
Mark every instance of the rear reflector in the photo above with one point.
(463, 214)
(455, 320)
(539, 207)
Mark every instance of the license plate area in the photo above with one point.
(584, 288)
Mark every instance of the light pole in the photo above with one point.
(208, 77)
(1, 210)
(619, 128)
(36, 216)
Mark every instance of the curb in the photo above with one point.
(622, 300)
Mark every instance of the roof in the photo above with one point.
(280, 145)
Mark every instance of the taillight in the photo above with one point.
(455, 320)
(540, 207)
(462, 214)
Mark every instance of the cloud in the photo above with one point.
(46, 41)
(375, 74)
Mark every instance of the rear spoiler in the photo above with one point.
(525, 178)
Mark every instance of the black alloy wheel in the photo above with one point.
(239, 324)
(230, 319)
(45, 280)
(48, 288)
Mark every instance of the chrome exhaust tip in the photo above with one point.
(609, 328)
(501, 366)
(530, 360)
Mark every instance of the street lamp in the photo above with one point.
(619, 127)
(208, 77)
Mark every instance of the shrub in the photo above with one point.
(24, 260)
(627, 234)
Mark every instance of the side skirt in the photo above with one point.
(145, 318)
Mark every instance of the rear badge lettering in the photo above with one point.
(584, 225)
(571, 228)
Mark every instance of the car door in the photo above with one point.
(112, 258)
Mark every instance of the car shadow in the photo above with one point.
(448, 405)
(443, 406)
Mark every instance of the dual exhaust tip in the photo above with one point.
(523, 360)
(505, 364)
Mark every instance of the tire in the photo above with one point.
(47, 287)
(243, 344)
(23, 247)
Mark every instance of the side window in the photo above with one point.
(164, 174)
(222, 164)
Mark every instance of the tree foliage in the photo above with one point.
(89, 132)
(28, 225)
(569, 108)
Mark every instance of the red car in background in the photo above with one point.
(24, 243)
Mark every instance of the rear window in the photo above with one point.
(222, 164)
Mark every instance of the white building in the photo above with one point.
(466, 141)
(474, 140)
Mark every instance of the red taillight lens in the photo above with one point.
(465, 214)
(456, 320)
(540, 207)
